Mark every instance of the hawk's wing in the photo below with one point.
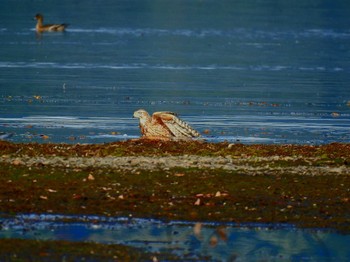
(176, 126)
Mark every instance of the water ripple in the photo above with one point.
(208, 33)
(133, 66)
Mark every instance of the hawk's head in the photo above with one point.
(141, 113)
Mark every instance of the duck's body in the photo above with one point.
(40, 27)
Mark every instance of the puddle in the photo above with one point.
(220, 242)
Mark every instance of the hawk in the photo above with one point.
(164, 125)
(48, 28)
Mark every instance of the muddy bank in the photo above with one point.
(304, 185)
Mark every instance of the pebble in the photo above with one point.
(249, 166)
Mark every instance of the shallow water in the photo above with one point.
(220, 242)
(249, 71)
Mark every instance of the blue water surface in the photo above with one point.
(254, 71)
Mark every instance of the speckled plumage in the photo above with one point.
(164, 125)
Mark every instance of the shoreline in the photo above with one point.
(307, 186)
(254, 166)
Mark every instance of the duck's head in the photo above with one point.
(38, 17)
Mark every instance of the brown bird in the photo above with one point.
(40, 27)
(164, 125)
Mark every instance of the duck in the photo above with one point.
(40, 27)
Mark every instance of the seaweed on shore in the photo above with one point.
(275, 194)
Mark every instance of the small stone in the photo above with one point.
(213, 241)
(335, 114)
(230, 146)
(17, 162)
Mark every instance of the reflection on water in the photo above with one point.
(222, 242)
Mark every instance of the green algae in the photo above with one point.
(185, 194)
(271, 196)
(276, 194)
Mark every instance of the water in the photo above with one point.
(253, 71)
(220, 242)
